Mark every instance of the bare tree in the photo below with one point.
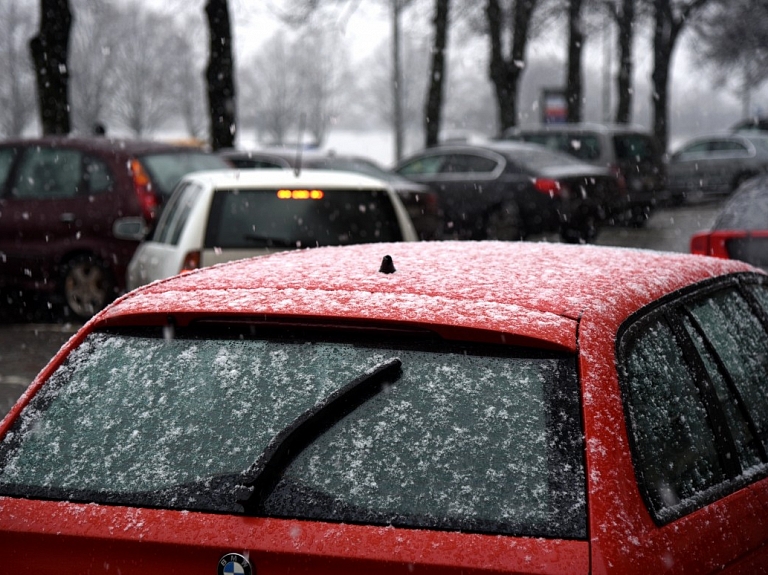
(623, 13)
(670, 17)
(97, 35)
(17, 103)
(434, 104)
(50, 54)
(220, 75)
(733, 41)
(506, 70)
(144, 99)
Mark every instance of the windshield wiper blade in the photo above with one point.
(292, 440)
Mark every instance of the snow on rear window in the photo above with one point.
(480, 438)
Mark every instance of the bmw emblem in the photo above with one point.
(234, 564)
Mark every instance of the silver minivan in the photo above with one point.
(219, 216)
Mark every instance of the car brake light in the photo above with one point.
(700, 244)
(142, 185)
(552, 187)
(300, 194)
(616, 170)
(191, 262)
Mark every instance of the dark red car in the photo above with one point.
(740, 230)
(438, 407)
(72, 211)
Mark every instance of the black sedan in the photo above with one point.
(508, 190)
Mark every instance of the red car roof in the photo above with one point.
(536, 290)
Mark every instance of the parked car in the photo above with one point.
(629, 151)
(740, 230)
(755, 123)
(715, 165)
(422, 203)
(225, 215)
(72, 211)
(440, 407)
(508, 190)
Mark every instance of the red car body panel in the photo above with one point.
(160, 541)
(511, 298)
(715, 242)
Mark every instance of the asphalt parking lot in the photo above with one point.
(31, 335)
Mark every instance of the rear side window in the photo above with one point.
(167, 169)
(243, 219)
(175, 215)
(634, 148)
(694, 374)
(452, 435)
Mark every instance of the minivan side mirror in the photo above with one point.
(132, 228)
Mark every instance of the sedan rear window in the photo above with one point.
(246, 219)
(455, 435)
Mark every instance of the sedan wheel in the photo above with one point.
(504, 223)
(88, 286)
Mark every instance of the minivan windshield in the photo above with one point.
(167, 168)
(484, 438)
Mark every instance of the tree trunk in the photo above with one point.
(624, 78)
(432, 117)
(573, 84)
(220, 76)
(50, 50)
(397, 85)
(664, 37)
(506, 73)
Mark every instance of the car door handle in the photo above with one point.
(67, 218)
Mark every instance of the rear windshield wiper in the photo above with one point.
(268, 241)
(292, 440)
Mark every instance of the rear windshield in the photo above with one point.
(243, 219)
(583, 146)
(634, 148)
(166, 169)
(452, 435)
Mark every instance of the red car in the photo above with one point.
(740, 230)
(72, 212)
(449, 407)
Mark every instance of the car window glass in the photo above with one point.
(247, 218)
(97, 175)
(167, 169)
(696, 148)
(730, 399)
(175, 215)
(674, 445)
(47, 173)
(740, 341)
(426, 165)
(410, 455)
(583, 146)
(468, 164)
(140, 417)
(7, 156)
(727, 146)
(633, 148)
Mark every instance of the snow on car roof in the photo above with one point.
(536, 290)
(273, 178)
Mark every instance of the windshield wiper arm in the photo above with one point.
(292, 440)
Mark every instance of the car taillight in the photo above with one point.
(552, 187)
(142, 185)
(616, 171)
(700, 244)
(191, 262)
